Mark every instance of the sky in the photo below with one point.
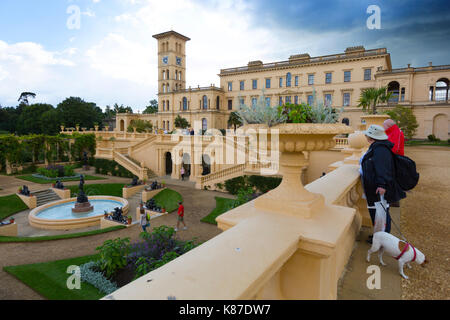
(103, 50)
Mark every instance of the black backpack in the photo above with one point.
(406, 174)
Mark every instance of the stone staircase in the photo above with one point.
(150, 173)
(136, 197)
(45, 196)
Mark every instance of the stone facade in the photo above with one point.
(337, 79)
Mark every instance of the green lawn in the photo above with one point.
(222, 205)
(30, 178)
(427, 143)
(111, 189)
(168, 199)
(50, 279)
(10, 205)
(60, 237)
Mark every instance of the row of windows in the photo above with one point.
(165, 46)
(288, 80)
(166, 75)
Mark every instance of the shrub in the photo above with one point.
(69, 171)
(264, 184)
(234, 185)
(97, 279)
(432, 138)
(113, 255)
(405, 119)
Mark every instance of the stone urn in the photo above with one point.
(357, 144)
(96, 127)
(106, 128)
(377, 119)
(62, 128)
(290, 197)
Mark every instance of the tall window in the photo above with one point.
(328, 77)
(296, 81)
(204, 124)
(254, 84)
(241, 85)
(296, 100)
(164, 75)
(179, 75)
(367, 74)
(230, 86)
(164, 105)
(310, 79)
(167, 88)
(347, 76)
(268, 102)
(402, 96)
(164, 88)
(288, 79)
(230, 104)
(328, 99)
(267, 83)
(281, 82)
(205, 102)
(167, 74)
(241, 101)
(168, 106)
(185, 104)
(310, 99)
(442, 89)
(280, 101)
(217, 103)
(254, 100)
(346, 99)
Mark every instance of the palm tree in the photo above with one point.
(24, 97)
(372, 96)
(234, 120)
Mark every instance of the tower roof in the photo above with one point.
(170, 33)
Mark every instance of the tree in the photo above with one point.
(31, 119)
(152, 108)
(50, 122)
(122, 109)
(234, 120)
(74, 110)
(24, 97)
(370, 97)
(140, 125)
(405, 119)
(181, 123)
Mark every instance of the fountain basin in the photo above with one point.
(58, 215)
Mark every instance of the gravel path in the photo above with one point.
(425, 223)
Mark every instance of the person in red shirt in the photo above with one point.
(180, 216)
(395, 135)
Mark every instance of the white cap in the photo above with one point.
(376, 132)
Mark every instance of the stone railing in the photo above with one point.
(143, 143)
(130, 165)
(290, 243)
(220, 176)
(341, 143)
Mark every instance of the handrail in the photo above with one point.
(124, 161)
(142, 143)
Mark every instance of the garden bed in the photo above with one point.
(46, 180)
(111, 189)
(222, 206)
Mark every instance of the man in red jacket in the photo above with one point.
(395, 135)
(180, 216)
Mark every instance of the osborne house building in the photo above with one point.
(337, 79)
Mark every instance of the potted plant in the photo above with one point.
(163, 183)
(130, 219)
(19, 190)
(163, 210)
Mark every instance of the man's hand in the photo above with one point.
(381, 191)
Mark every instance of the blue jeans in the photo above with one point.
(144, 228)
(388, 219)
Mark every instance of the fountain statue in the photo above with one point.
(82, 204)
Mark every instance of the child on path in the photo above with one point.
(145, 219)
(180, 216)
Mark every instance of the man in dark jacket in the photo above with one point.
(378, 176)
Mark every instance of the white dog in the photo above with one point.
(400, 250)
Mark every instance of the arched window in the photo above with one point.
(167, 87)
(205, 102)
(164, 75)
(288, 79)
(204, 124)
(217, 103)
(394, 88)
(179, 75)
(167, 74)
(164, 105)
(442, 86)
(185, 104)
(164, 88)
(176, 75)
(168, 105)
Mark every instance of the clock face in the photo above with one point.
(179, 61)
(165, 60)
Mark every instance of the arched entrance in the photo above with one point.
(168, 163)
(440, 126)
(206, 165)
(122, 125)
(187, 164)
(394, 88)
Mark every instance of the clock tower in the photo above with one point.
(171, 62)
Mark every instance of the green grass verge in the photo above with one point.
(30, 178)
(50, 279)
(61, 236)
(168, 199)
(111, 189)
(10, 205)
(222, 205)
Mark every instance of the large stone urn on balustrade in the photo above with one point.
(377, 119)
(290, 197)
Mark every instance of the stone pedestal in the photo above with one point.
(82, 207)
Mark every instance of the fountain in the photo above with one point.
(82, 205)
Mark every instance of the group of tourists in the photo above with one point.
(377, 168)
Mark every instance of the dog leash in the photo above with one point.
(392, 220)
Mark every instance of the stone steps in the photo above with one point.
(45, 196)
